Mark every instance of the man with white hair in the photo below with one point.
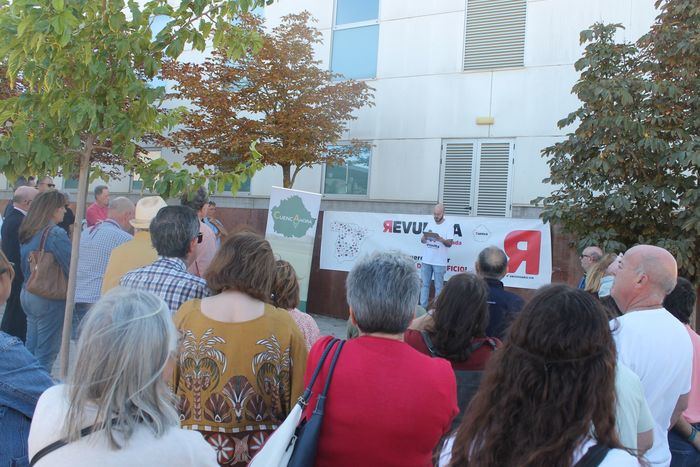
(14, 321)
(96, 245)
(650, 341)
(437, 238)
(589, 256)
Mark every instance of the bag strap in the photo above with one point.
(321, 401)
(594, 456)
(59, 444)
(304, 398)
(44, 236)
(429, 343)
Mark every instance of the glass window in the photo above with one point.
(356, 11)
(70, 182)
(355, 52)
(350, 178)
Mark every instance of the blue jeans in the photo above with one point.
(44, 326)
(683, 454)
(427, 271)
(79, 312)
(22, 380)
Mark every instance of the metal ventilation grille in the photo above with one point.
(495, 34)
(492, 198)
(457, 185)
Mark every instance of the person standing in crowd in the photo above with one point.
(285, 295)
(595, 275)
(457, 333)
(589, 256)
(492, 265)
(174, 233)
(119, 389)
(45, 184)
(96, 244)
(650, 341)
(206, 248)
(137, 252)
(31, 181)
(387, 404)
(215, 224)
(241, 362)
(14, 321)
(21, 182)
(69, 219)
(556, 372)
(44, 316)
(99, 210)
(683, 438)
(22, 380)
(437, 238)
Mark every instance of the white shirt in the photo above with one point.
(656, 346)
(614, 457)
(177, 447)
(435, 252)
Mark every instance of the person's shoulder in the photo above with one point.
(53, 397)
(186, 310)
(619, 458)
(191, 445)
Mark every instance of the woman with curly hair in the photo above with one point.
(548, 396)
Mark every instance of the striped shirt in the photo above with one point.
(168, 278)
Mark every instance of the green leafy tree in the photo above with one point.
(628, 173)
(279, 96)
(87, 101)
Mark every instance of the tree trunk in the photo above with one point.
(73, 272)
(286, 175)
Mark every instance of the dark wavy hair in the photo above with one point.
(549, 387)
(681, 301)
(461, 314)
(40, 213)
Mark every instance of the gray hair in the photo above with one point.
(382, 290)
(125, 344)
(100, 188)
(492, 262)
(121, 204)
(173, 229)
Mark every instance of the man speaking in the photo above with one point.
(437, 238)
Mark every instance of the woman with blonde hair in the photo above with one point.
(116, 408)
(285, 295)
(241, 365)
(44, 315)
(598, 271)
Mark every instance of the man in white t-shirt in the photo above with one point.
(650, 341)
(437, 238)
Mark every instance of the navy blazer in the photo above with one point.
(503, 306)
(10, 240)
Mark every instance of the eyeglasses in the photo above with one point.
(50, 185)
(585, 256)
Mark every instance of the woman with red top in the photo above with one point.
(388, 405)
(456, 331)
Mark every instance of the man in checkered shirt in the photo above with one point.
(174, 233)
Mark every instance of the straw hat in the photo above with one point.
(146, 210)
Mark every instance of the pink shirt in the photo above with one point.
(95, 214)
(204, 252)
(307, 326)
(692, 413)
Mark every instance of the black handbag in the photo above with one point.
(308, 431)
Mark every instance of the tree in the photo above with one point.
(628, 173)
(86, 66)
(278, 96)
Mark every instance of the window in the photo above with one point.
(350, 178)
(136, 182)
(70, 182)
(476, 177)
(495, 34)
(355, 38)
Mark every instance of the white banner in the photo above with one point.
(291, 230)
(527, 242)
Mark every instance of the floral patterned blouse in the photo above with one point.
(307, 326)
(236, 382)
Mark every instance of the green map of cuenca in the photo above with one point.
(291, 218)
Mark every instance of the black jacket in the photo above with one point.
(503, 306)
(10, 238)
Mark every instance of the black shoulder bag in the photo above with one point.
(594, 456)
(59, 444)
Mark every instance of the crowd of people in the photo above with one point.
(191, 351)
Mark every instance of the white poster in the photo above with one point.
(527, 242)
(291, 229)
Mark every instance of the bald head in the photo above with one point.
(121, 210)
(439, 212)
(646, 275)
(492, 262)
(23, 197)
